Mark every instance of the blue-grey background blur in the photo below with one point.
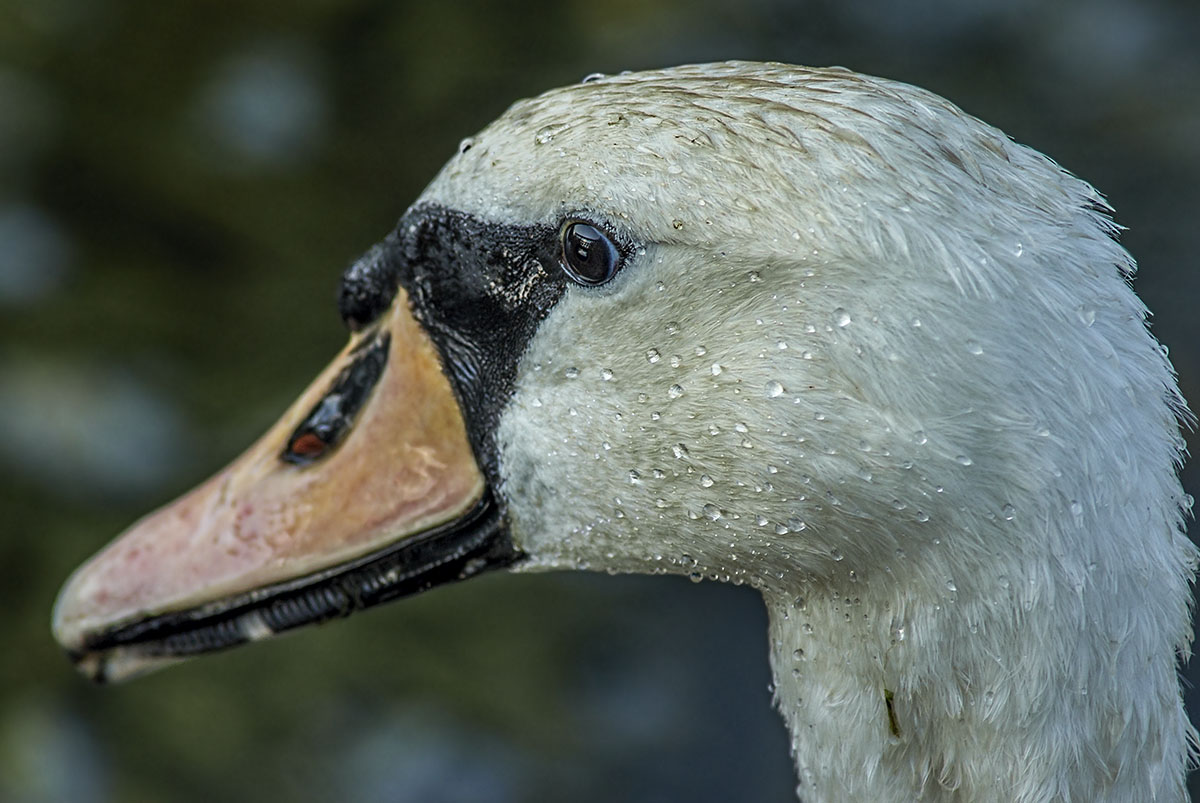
(180, 186)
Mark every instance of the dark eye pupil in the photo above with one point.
(589, 257)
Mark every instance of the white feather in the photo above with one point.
(884, 364)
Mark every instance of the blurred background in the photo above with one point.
(180, 186)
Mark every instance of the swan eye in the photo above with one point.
(588, 255)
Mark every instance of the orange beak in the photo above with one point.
(365, 490)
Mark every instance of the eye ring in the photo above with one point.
(588, 256)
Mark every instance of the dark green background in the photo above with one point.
(180, 186)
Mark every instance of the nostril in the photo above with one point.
(308, 446)
(331, 418)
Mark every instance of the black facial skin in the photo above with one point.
(480, 290)
(368, 287)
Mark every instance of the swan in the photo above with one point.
(803, 329)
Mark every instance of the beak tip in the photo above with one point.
(90, 665)
(68, 628)
(119, 664)
(64, 623)
(73, 621)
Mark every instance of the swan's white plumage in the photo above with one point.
(884, 364)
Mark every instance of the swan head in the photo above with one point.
(785, 327)
(854, 333)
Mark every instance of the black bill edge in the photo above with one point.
(457, 550)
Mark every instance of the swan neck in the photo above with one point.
(891, 698)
